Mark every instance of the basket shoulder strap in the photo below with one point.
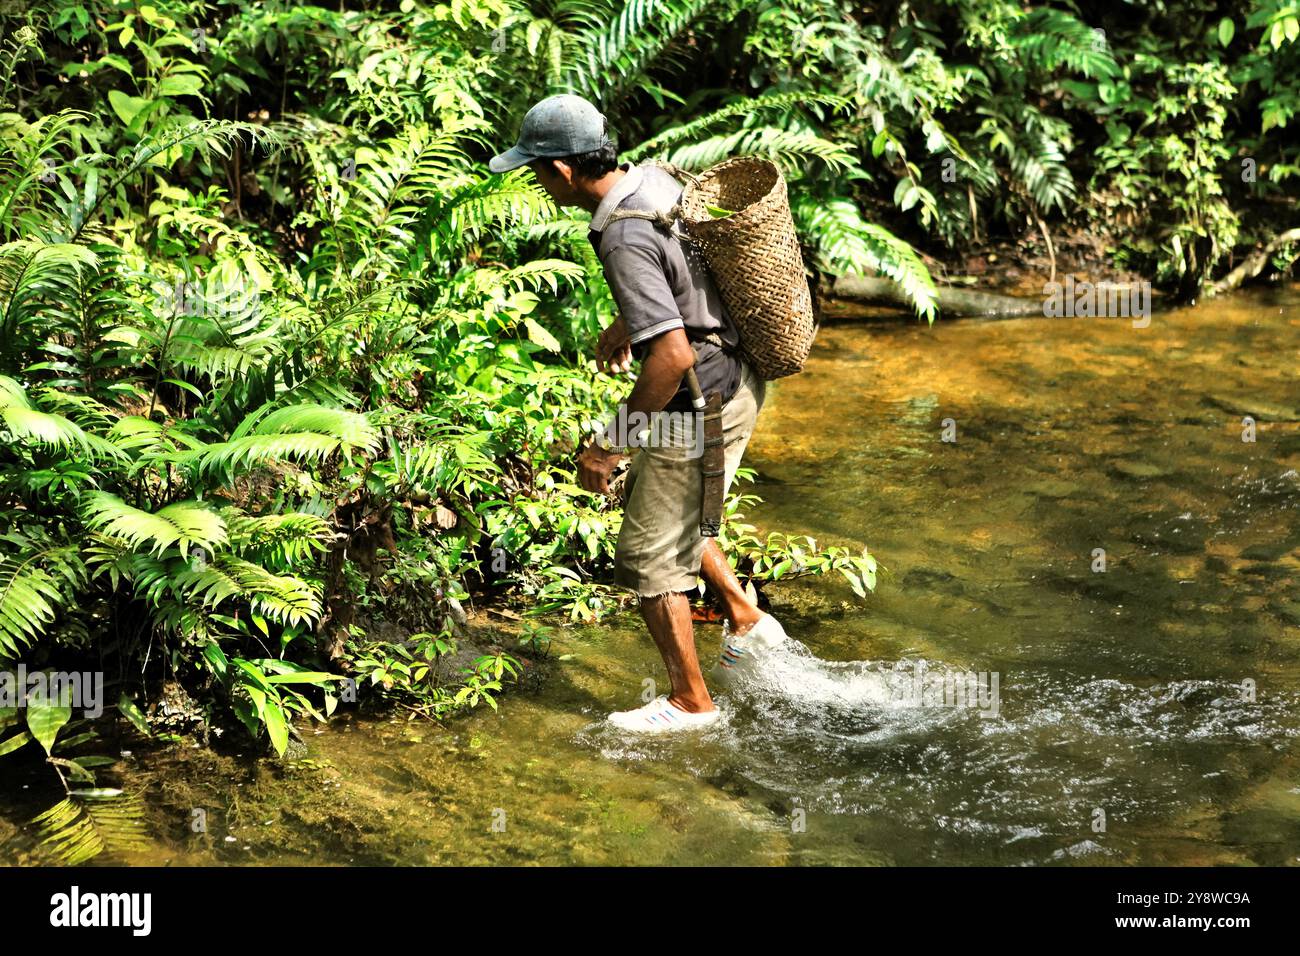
(672, 169)
(665, 218)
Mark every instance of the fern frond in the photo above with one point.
(305, 432)
(395, 200)
(22, 164)
(788, 148)
(615, 50)
(33, 275)
(145, 437)
(531, 275)
(29, 598)
(744, 106)
(182, 591)
(285, 599)
(241, 454)
(185, 524)
(89, 823)
(473, 210)
(351, 429)
(1051, 39)
(201, 138)
(845, 242)
(1040, 167)
(541, 231)
(221, 350)
(23, 423)
(279, 539)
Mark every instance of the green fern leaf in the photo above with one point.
(185, 524)
(90, 823)
(744, 106)
(845, 242)
(285, 599)
(25, 423)
(28, 598)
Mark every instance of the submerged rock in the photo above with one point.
(1085, 848)
(1288, 611)
(1138, 469)
(1258, 408)
(1267, 552)
(1054, 488)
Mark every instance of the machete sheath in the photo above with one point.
(712, 460)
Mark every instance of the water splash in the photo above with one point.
(787, 684)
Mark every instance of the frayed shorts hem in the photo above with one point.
(654, 589)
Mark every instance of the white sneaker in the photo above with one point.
(738, 651)
(660, 717)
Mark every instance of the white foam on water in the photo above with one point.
(793, 673)
(789, 686)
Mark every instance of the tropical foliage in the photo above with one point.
(281, 361)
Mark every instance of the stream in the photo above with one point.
(1146, 713)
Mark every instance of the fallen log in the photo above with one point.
(1253, 264)
(951, 302)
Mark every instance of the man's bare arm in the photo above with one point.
(661, 373)
(669, 357)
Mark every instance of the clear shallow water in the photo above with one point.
(1119, 692)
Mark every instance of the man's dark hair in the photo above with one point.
(597, 163)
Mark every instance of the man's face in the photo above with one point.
(556, 178)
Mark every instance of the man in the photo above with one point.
(671, 318)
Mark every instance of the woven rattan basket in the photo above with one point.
(754, 258)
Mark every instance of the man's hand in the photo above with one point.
(595, 465)
(613, 349)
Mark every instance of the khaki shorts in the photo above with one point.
(659, 546)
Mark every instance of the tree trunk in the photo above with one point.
(951, 302)
(1253, 265)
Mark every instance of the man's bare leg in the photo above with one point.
(719, 576)
(668, 616)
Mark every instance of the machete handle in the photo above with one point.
(693, 383)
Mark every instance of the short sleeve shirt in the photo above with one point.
(661, 282)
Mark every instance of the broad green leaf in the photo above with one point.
(94, 761)
(126, 107)
(192, 389)
(45, 720)
(540, 336)
(855, 581)
(276, 727)
(13, 743)
(182, 85)
(127, 708)
(305, 677)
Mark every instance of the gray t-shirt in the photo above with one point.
(661, 282)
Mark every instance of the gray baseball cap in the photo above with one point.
(562, 125)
